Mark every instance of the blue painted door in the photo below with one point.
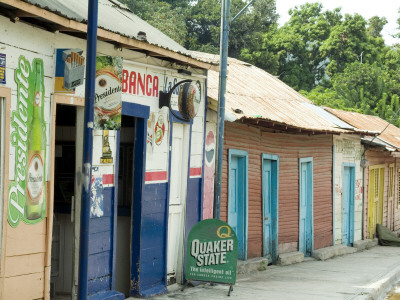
(348, 206)
(306, 198)
(237, 201)
(270, 191)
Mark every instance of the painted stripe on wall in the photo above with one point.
(108, 178)
(195, 172)
(156, 176)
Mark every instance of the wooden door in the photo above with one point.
(177, 201)
(306, 202)
(237, 199)
(348, 206)
(375, 198)
(270, 207)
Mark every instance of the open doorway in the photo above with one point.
(125, 200)
(67, 161)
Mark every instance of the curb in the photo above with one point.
(379, 286)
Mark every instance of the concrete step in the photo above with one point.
(329, 252)
(252, 265)
(365, 244)
(290, 258)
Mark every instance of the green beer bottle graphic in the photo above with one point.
(35, 175)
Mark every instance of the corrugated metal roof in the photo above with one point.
(114, 17)
(387, 132)
(252, 93)
(332, 118)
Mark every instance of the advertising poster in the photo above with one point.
(108, 93)
(212, 251)
(70, 69)
(27, 193)
(2, 68)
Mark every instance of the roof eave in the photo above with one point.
(66, 24)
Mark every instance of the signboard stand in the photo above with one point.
(212, 254)
(211, 283)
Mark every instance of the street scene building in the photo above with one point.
(298, 179)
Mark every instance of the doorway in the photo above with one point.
(125, 199)
(348, 204)
(270, 184)
(177, 201)
(306, 206)
(375, 197)
(237, 198)
(66, 191)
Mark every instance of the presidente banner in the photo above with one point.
(108, 93)
(27, 193)
(212, 251)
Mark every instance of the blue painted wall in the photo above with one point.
(100, 250)
(149, 276)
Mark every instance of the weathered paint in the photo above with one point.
(270, 182)
(256, 141)
(150, 229)
(378, 156)
(306, 203)
(347, 150)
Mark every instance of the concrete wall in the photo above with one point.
(347, 149)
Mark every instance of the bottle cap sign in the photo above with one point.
(189, 100)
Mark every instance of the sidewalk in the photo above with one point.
(363, 275)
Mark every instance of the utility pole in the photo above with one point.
(223, 66)
(225, 15)
(91, 50)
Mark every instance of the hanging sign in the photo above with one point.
(27, 193)
(212, 251)
(108, 93)
(2, 68)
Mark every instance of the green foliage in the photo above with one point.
(167, 16)
(335, 60)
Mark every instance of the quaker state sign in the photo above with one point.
(212, 251)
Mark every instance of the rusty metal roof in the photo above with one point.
(387, 132)
(252, 93)
(114, 17)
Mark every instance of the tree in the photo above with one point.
(204, 20)
(163, 15)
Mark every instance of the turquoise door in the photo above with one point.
(306, 202)
(270, 206)
(348, 205)
(237, 198)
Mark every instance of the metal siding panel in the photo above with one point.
(244, 137)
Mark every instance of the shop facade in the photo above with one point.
(146, 184)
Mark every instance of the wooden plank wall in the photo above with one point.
(378, 156)
(396, 208)
(289, 147)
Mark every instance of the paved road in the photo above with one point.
(363, 275)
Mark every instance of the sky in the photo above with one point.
(366, 8)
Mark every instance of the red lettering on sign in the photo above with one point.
(124, 81)
(141, 83)
(148, 86)
(133, 83)
(155, 86)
